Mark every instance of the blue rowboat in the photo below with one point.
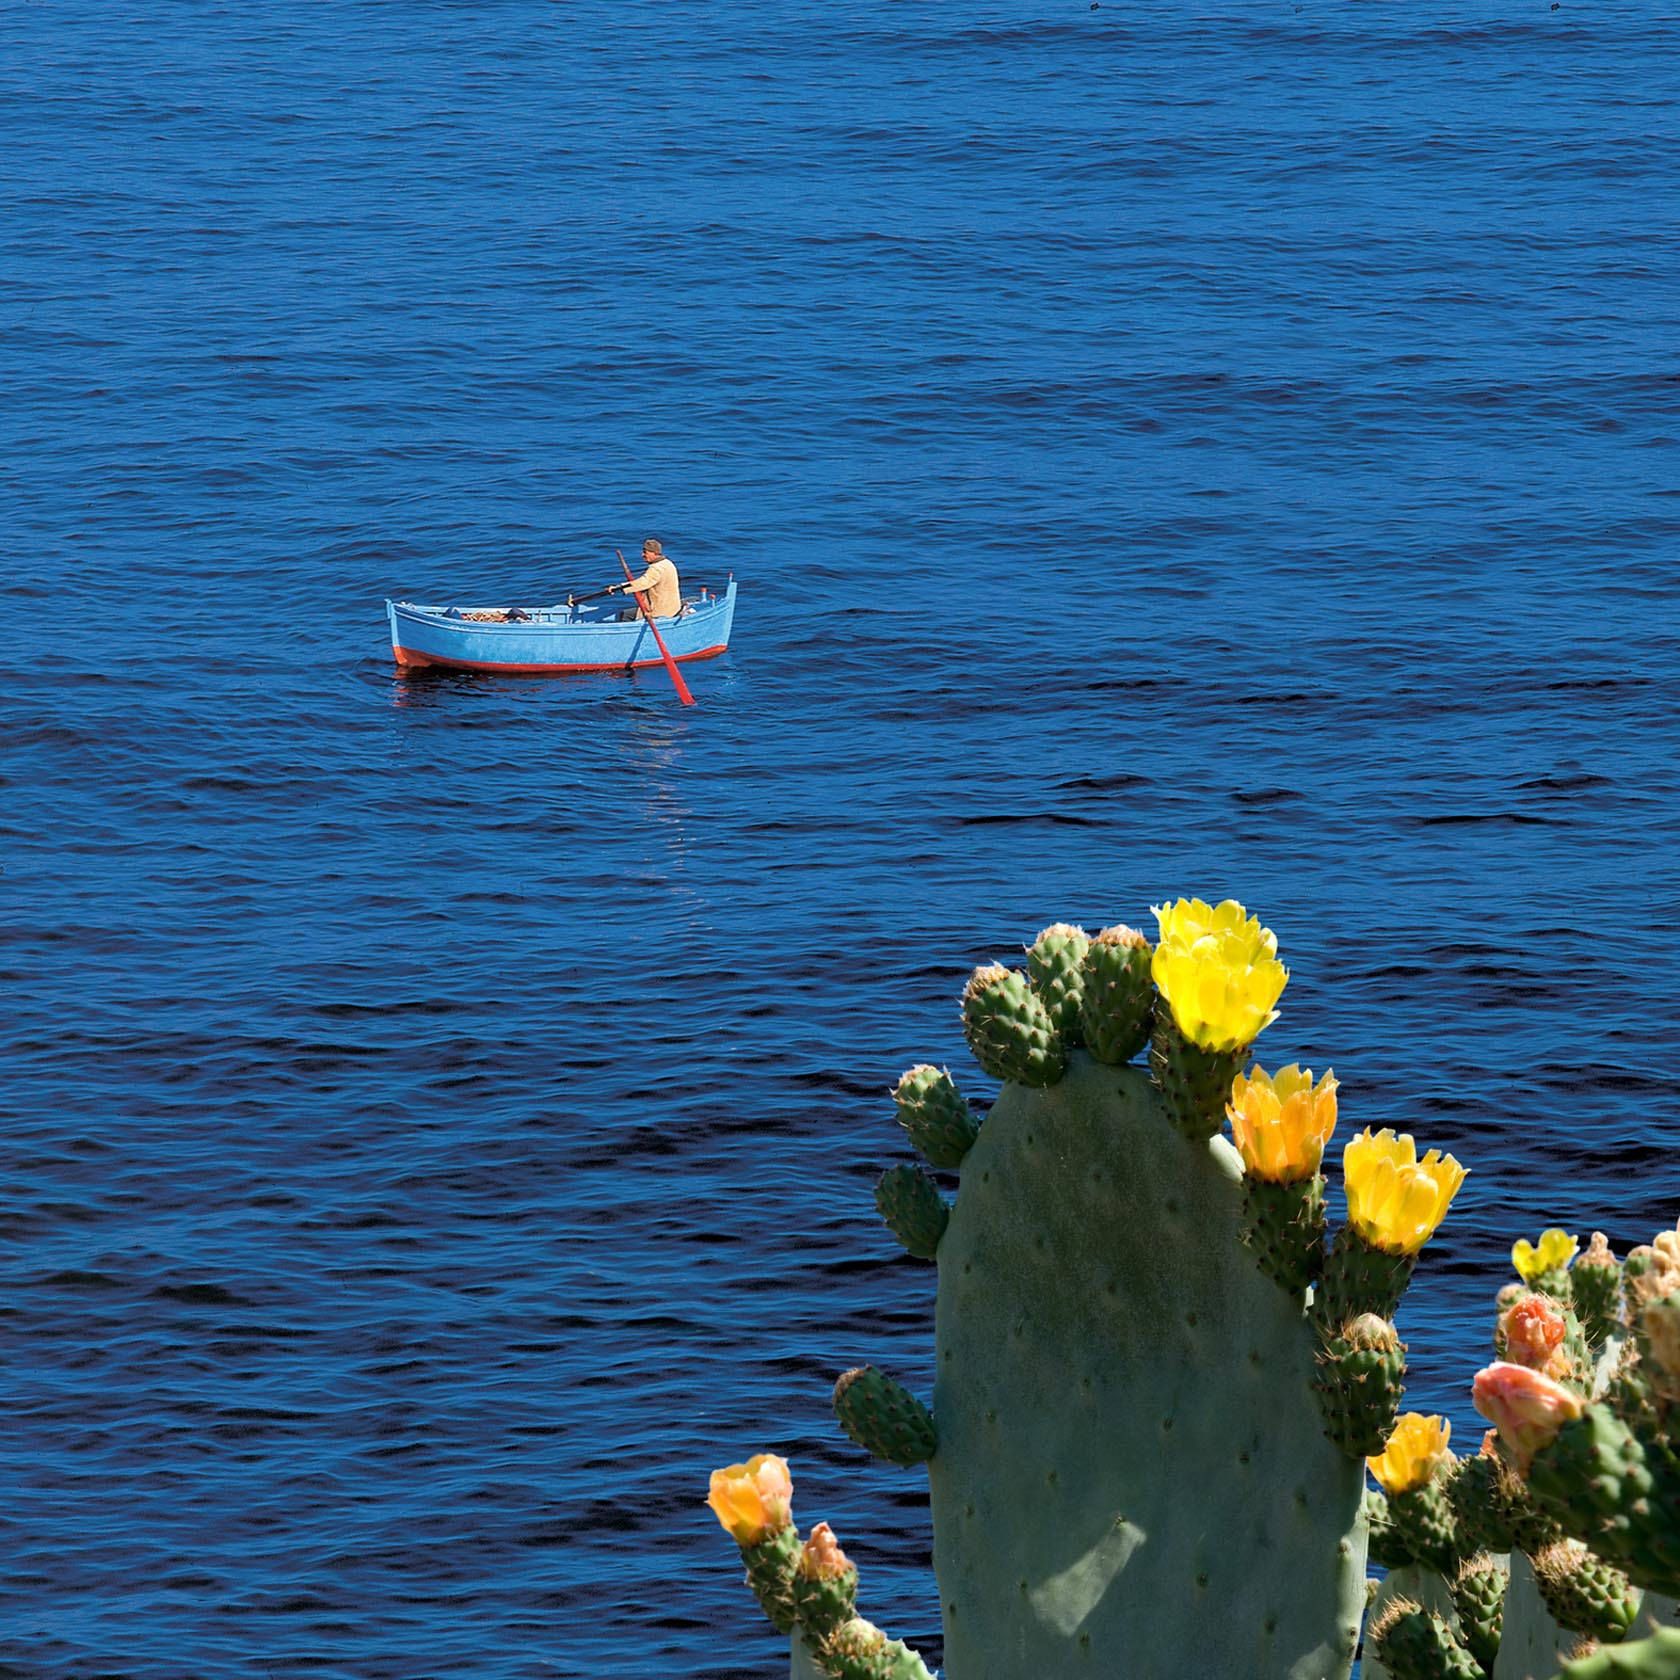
(587, 636)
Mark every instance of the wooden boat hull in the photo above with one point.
(553, 640)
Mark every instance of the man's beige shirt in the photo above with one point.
(659, 584)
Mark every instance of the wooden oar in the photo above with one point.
(664, 652)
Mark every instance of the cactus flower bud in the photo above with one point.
(1417, 1448)
(753, 1500)
(1527, 1407)
(1532, 1332)
(1217, 968)
(822, 1558)
(1396, 1201)
(1281, 1122)
(1552, 1253)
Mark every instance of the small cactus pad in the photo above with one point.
(932, 1110)
(1597, 1287)
(1428, 1525)
(1194, 1082)
(1125, 1413)
(823, 1603)
(858, 1650)
(1009, 1031)
(915, 1212)
(1361, 1279)
(1284, 1225)
(1584, 1593)
(1481, 1491)
(1656, 1658)
(1359, 1382)
(1056, 968)
(1478, 1591)
(1117, 1013)
(770, 1569)
(884, 1417)
(1384, 1548)
(1416, 1644)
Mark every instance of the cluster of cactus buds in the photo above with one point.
(807, 1589)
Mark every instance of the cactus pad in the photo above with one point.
(915, 1212)
(1119, 1391)
(771, 1566)
(1416, 1644)
(1359, 1382)
(1009, 1031)
(1597, 1286)
(1656, 1658)
(1194, 1082)
(1478, 1592)
(931, 1109)
(1428, 1525)
(1284, 1225)
(884, 1417)
(1056, 970)
(1584, 1593)
(1117, 1012)
(1361, 1279)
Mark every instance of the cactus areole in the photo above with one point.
(1132, 1478)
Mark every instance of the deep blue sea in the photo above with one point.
(1162, 449)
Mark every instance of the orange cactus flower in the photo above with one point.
(1533, 1332)
(1281, 1122)
(753, 1500)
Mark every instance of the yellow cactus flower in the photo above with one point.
(1281, 1122)
(753, 1500)
(1395, 1201)
(1416, 1449)
(1218, 970)
(1554, 1251)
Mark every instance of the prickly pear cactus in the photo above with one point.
(1126, 1418)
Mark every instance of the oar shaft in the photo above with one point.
(664, 652)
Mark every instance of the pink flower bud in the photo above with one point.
(822, 1558)
(1527, 1407)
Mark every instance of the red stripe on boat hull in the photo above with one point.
(409, 660)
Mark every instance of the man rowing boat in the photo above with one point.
(658, 585)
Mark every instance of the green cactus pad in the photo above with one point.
(1656, 1658)
(1416, 1644)
(915, 1212)
(1478, 1593)
(1284, 1225)
(823, 1603)
(1359, 1382)
(1118, 1010)
(771, 1566)
(1360, 1279)
(1056, 972)
(1194, 1082)
(1597, 1284)
(1593, 1478)
(884, 1417)
(1009, 1031)
(932, 1110)
(858, 1650)
(1384, 1547)
(1126, 1421)
(1482, 1491)
(1584, 1593)
(1428, 1526)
